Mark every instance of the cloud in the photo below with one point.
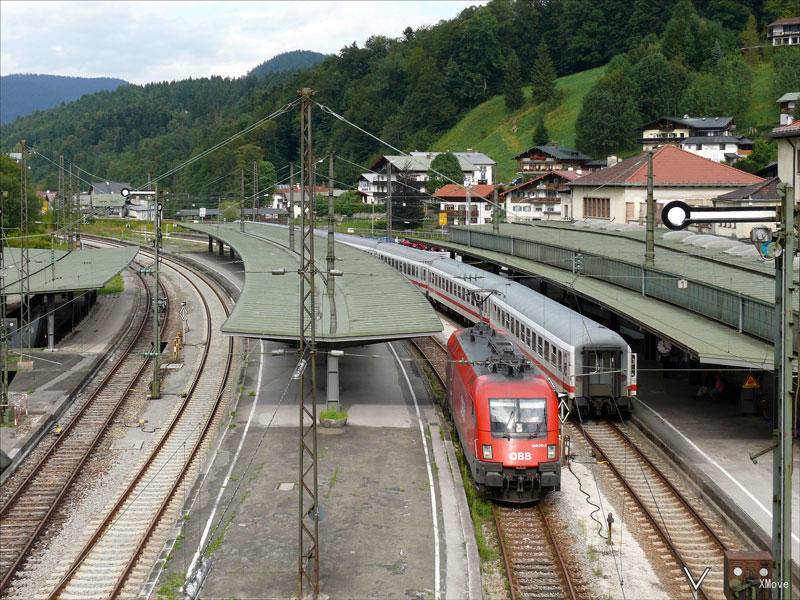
(156, 41)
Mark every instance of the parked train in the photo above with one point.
(506, 415)
(590, 363)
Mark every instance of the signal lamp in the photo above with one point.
(551, 451)
(487, 451)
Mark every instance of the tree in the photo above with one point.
(230, 211)
(764, 152)
(750, 38)
(657, 85)
(481, 54)
(444, 169)
(543, 84)
(268, 177)
(512, 87)
(608, 120)
(10, 172)
(408, 203)
(787, 71)
(540, 134)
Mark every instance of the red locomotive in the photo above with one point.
(506, 416)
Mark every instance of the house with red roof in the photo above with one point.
(456, 200)
(619, 193)
(537, 198)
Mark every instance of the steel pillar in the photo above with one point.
(291, 206)
(156, 385)
(650, 236)
(332, 399)
(50, 307)
(331, 256)
(308, 564)
(782, 415)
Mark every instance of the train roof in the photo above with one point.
(492, 353)
(563, 322)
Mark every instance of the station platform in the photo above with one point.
(371, 301)
(393, 516)
(712, 443)
(47, 390)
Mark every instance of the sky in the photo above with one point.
(158, 41)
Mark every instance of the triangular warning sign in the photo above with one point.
(750, 383)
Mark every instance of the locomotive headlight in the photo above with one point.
(487, 451)
(551, 451)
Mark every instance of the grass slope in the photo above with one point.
(491, 129)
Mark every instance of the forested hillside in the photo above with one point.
(288, 62)
(409, 91)
(23, 93)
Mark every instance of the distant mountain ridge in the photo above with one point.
(288, 62)
(24, 93)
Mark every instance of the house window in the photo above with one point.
(722, 146)
(599, 208)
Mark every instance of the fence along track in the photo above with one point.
(30, 506)
(106, 562)
(687, 535)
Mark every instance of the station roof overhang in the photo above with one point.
(58, 271)
(371, 302)
(708, 341)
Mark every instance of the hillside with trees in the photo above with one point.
(288, 62)
(23, 93)
(413, 90)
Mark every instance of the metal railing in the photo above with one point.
(744, 313)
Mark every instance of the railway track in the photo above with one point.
(32, 495)
(687, 535)
(120, 551)
(535, 566)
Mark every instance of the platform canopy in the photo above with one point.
(58, 271)
(372, 302)
(709, 341)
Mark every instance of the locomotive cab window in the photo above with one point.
(518, 417)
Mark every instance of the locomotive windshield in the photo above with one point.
(518, 417)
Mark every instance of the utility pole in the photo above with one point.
(255, 190)
(5, 407)
(650, 246)
(77, 200)
(241, 201)
(291, 206)
(469, 214)
(156, 389)
(782, 413)
(68, 225)
(496, 215)
(331, 257)
(308, 567)
(389, 199)
(24, 261)
(59, 207)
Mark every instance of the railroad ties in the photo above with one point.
(689, 536)
(534, 564)
(32, 495)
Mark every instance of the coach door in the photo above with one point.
(601, 370)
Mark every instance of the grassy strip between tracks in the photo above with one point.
(115, 286)
(480, 509)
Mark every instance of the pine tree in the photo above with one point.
(750, 40)
(512, 88)
(543, 85)
(540, 134)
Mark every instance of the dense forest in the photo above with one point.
(288, 62)
(664, 57)
(23, 93)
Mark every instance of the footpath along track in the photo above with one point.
(535, 566)
(32, 495)
(117, 557)
(688, 536)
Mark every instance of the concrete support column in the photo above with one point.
(332, 400)
(50, 308)
(210, 244)
(220, 248)
(231, 252)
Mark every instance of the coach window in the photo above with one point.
(546, 354)
(540, 345)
